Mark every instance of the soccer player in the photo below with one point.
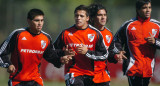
(28, 46)
(139, 37)
(87, 42)
(98, 18)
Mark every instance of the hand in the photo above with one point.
(11, 69)
(150, 40)
(119, 57)
(66, 59)
(82, 49)
(69, 51)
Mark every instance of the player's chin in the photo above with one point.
(79, 25)
(147, 15)
(103, 24)
(39, 29)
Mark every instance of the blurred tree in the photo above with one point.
(155, 2)
(124, 2)
(58, 13)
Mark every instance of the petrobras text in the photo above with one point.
(76, 45)
(31, 51)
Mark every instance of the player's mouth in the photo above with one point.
(78, 22)
(39, 27)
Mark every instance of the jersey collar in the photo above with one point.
(143, 20)
(31, 32)
(80, 29)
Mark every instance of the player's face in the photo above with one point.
(145, 11)
(101, 18)
(36, 24)
(81, 19)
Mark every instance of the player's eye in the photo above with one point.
(36, 20)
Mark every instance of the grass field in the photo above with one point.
(114, 82)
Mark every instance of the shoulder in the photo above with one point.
(108, 29)
(93, 28)
(17, 31)
(155, 21)
(47, 35)
(69, 29)
(129, 21)
(13, 34)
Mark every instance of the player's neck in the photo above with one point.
(34, 31)
(83, 27)
(100, 27)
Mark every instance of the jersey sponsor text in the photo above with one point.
(31, 51)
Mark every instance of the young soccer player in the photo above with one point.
(28, 46)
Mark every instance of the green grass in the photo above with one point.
(114, 82)
(124, 82)
(54, 83)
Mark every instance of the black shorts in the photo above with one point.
(25, 83)
(83, 81)
(138, 81)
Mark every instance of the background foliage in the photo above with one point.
(59, 15)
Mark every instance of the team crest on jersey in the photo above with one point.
(91, 37)
(43, 44)
(108, 38)
(154, 32)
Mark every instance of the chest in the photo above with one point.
(28, 43)
(139, 31)
(107, 36)
(79, 37)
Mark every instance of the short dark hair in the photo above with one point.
(34, 12)
(82, 7)
(93, 10)
(140, 3)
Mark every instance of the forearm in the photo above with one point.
(4, 61)
(95, 55)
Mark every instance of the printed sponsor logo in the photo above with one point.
(70, 34)
(31, 51)
(76, 45)
(24, 38)
(133, 28)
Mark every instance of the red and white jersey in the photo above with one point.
(107, 36)
(140, 54)
(101, 73)
(92, 38)
(27, 50)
